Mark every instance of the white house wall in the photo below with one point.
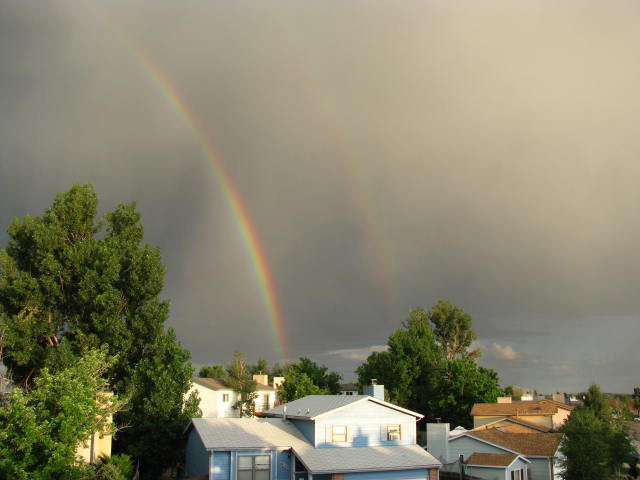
(364, 422)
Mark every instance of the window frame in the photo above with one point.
(254, 466)
(394, 429)
(338, 435)
(226, 398)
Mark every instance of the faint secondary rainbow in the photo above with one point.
(241, 215)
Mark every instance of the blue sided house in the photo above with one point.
(318, 437)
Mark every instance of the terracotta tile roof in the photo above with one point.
(515, 408)
(542, 444)
(491, 459)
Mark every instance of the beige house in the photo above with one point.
(548, 414)
(217, 398)
(99, 443)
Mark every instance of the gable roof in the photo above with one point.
(517, 425)
(515, 408)
(222, 384)
(312, 407)
(224, 434)
(564, 406)
(492, 459)
(535, 444)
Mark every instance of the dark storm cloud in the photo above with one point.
(390, 154)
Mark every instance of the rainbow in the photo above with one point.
(240, 212)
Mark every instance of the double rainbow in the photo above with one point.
(242, 218)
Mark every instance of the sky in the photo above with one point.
(314, 170)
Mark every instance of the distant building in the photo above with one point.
(546, 413)
(350, 388)
(217, 398)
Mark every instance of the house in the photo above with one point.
(217, 398)
(348, 389)
(538, 452)
(321, 437)
(546, 413)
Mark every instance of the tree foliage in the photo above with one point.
(306, 377)
(452, 330)
(213, 371)
(595, 444)
(241, 380)
(434, 374)
(70, 283)
(40, 430)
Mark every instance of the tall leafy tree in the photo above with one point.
(593, 447)
(429, 369)
(70, 282)
(410, 367)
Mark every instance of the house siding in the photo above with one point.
(364, 422)
(466, 446)
(197, 458)
(283, 467)
(420, 474)
(307, 427)
(220, 467)
(539, 468)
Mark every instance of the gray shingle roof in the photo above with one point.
(362, 459)
(239, 433)
(312, 406)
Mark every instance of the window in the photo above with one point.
(393, 432)
(254, 467)
(225, 397)
(339, 433)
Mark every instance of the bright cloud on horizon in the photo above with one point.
(503, 352)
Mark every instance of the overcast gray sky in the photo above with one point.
(390, 153)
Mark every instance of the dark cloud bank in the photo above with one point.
(391, 154)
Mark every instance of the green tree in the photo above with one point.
(423, 374)
(260, 368)
(298, 385)
(410, 367)
(70, 283)
(213, 371)
(158, 412)
(319, 375)
(462, 385)
(595, 444)
(597, 402)
(241, 380)
(452, 330)
(41, 429)
(636, 400)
